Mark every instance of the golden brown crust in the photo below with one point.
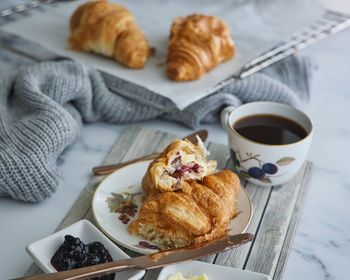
(108, 29)
(200, 212)
(227, 195)
(197, 44)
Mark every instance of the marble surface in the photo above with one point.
(321, 248)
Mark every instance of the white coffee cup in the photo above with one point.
(265, 164)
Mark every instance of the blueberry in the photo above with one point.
(91, 259)
(96, 246)
(270, 168)
(98, 249)
(74, 246)
(256, 172)
(68, 263)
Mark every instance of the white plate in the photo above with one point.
(128, 180)
(42, 250)
(213, 271)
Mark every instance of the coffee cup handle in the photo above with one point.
(225, 113)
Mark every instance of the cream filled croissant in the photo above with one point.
(179, 162)
(199, 212)
(110, 30)
(197, 44)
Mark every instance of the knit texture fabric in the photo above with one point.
(43, 106)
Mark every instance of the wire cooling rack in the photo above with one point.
(330, 23)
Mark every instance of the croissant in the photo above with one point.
(179, 162)
(197, 44)
(110, 30)
(199, 212)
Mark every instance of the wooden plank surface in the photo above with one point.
(273, 227)
(293, 222)
(275, 210)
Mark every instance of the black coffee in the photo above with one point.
(270, 129)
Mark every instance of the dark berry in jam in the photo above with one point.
(73, 253)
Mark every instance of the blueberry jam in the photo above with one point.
(73, 253)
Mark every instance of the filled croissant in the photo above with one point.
(179, 162)
(199, 212)
(110, 30)
(197, 44)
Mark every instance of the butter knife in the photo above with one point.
(150, 261)
(107, 169)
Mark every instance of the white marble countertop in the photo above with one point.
(321, 248)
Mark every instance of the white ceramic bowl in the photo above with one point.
(213, 271)
(42, 250)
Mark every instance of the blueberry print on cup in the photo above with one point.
(261, 170)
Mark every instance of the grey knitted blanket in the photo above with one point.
(43, 106)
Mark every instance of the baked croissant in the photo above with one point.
(199, 212)
(179, 162)
(110, 30)
(197, 44)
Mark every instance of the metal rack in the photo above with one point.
(330, 23)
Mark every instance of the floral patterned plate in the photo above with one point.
(117, 200)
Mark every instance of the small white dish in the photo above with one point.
(42, 250)
(213, 271)
(126, 183)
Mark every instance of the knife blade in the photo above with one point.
(107, 169)
(156, 260)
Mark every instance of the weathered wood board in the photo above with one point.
(275, 216)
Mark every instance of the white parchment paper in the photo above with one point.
(255, 26)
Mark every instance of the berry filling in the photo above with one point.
(183, 170)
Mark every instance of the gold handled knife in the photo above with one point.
(107, 169)
(150, 261)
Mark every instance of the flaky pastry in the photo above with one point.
(179, 162)
(199, 212)
(110, 30)
(197, 44)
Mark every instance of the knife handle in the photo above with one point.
(87, 272)
(108, 169)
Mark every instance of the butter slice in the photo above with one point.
(179, 276)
